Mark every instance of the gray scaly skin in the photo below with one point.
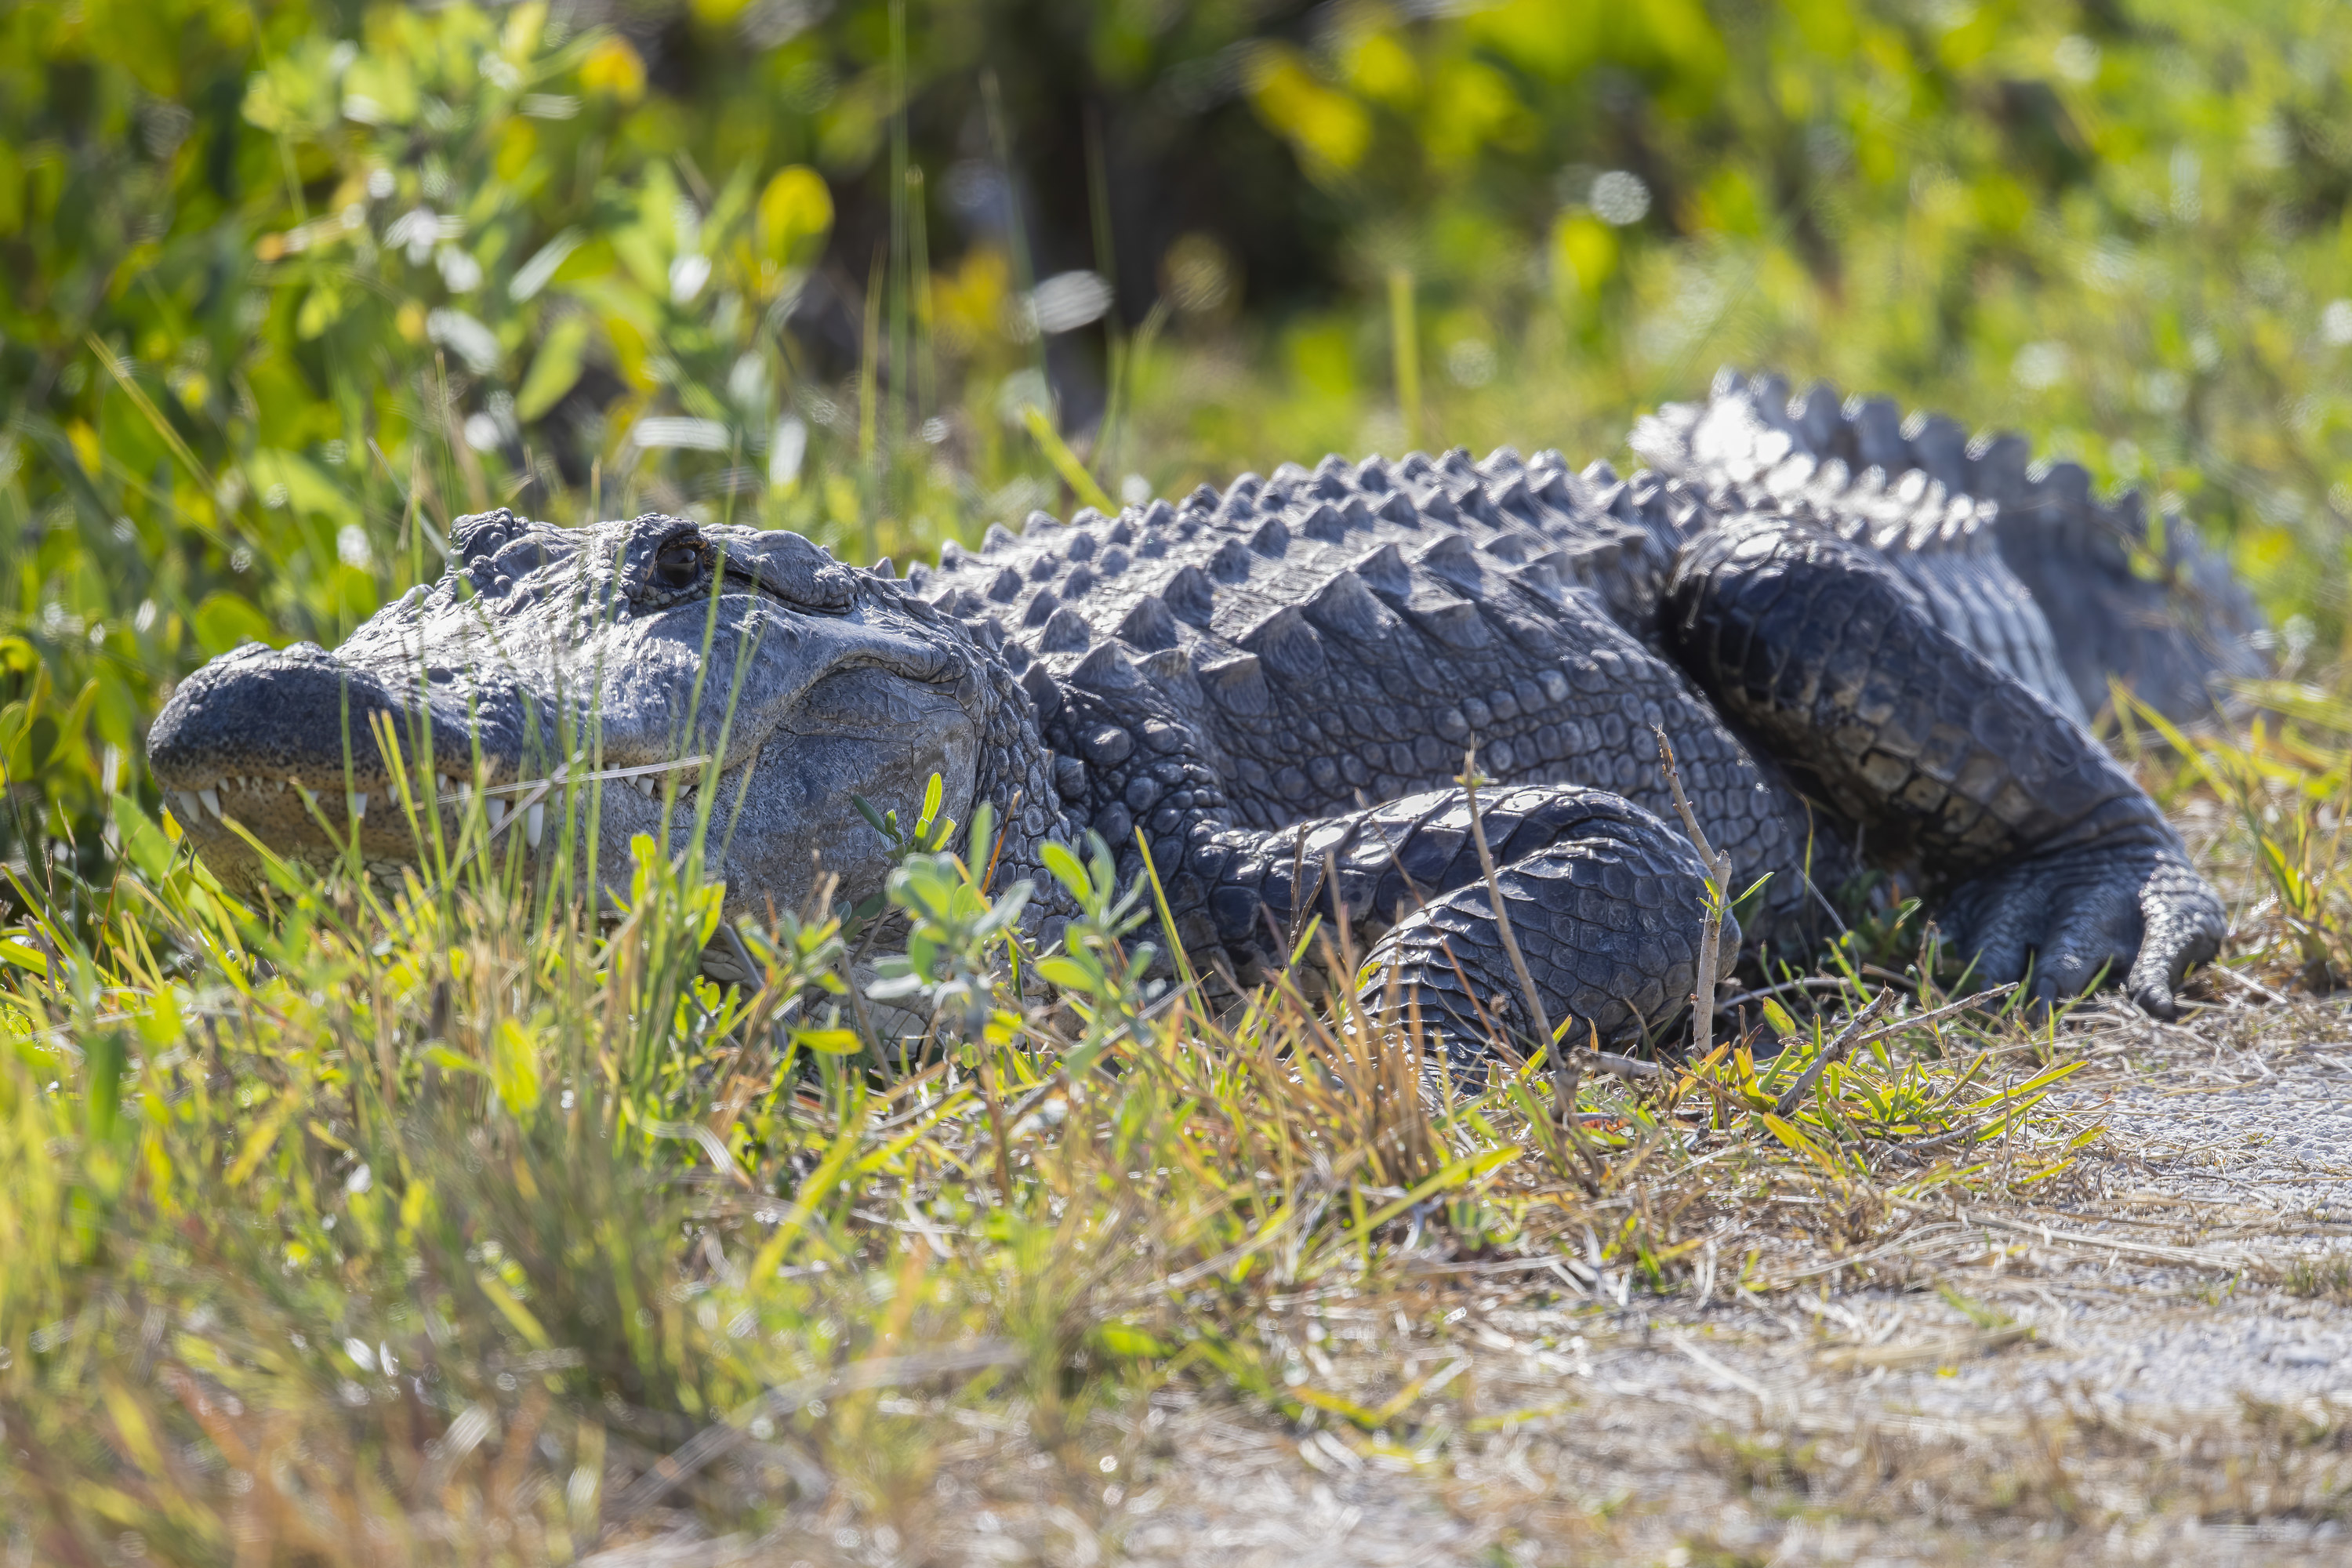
(2018, 560)
(1275, 687)
(542, 643)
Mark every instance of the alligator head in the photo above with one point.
(632, 653)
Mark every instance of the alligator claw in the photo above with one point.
(2135, 911)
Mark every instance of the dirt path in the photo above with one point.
(2150, 1362)
(2155, 1362)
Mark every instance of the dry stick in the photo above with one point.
(1565, 1069)
(2249, 982)
(2181, 1255)
(1850, 1037)
(1805, 982)
(1833, 1051)
(1625, 1066)
(987, 1072)
(1718, 884)
(1469, 782)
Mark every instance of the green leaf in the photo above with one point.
(226, 620)
(556, 369)
(1126, 1339)
(1069, 973)
(514, 1068)
(442, 1057)
(1068, 871)
(933, 792)
(865, 809)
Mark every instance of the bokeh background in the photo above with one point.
(285, 287)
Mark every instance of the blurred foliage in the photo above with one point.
(284, 287)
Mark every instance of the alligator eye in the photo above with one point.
(678, 564)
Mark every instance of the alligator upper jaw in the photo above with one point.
(288, 749)
(289, 745)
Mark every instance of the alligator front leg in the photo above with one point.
(2054, 860)
(1606, 901)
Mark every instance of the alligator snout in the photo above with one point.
(289, 743)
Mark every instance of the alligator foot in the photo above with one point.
(2134, 907)
(2054, 851)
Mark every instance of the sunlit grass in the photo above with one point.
(363, 1225)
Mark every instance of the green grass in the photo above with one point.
(359, 1226)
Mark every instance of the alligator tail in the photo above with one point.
(2065, 590)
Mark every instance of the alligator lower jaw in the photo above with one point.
(307, 823)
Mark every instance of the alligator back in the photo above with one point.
(2018, 560)
(1297, 646)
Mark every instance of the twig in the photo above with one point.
(1469, 782)
(1807, 983)
(2249, 982)
(1833, 1051)
(1730, 1375)
(1565, 1069)
(1625, 1066)
(2181, 1255)
(1718, 890)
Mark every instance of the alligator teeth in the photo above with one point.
(465, 793)
(188, 806)
(359, 807)
(534, 821)
(646, 786)
(497, 813)
(440, 784)
(211, 797)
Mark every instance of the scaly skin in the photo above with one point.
(1816, 647)
(1275, 688)
(2064, 589)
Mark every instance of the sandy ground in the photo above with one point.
(2152, 1362)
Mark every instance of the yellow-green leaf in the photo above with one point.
(1067, 973)
(556, 370)
(514, 1311)
(794, 209)
(257, 1142)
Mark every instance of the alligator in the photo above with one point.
(1869, 642)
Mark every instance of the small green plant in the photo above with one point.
(2290, 792)
(2327, 1278)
